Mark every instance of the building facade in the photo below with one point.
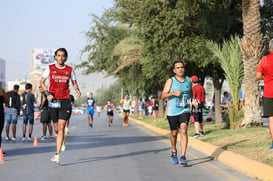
(2, 73)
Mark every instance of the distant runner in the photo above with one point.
(126, 103)
(109, 107)
(90, 103)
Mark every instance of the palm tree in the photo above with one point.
(230, 59)
(251, 45)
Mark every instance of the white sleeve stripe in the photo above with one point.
(73, 75)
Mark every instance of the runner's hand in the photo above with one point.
(49, 97)
(177, 92)
(78, 92)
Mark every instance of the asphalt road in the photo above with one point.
(105, 153)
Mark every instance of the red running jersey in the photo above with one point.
(265, 66)
(59, 81)
(198, 92)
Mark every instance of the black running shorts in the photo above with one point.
(63, 112)
(198, 113)
(45, 117)
(175, 121)
(267, 107)
(110, 113)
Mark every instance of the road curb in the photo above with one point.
(245, 165)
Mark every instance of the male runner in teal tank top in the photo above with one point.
(178, 92)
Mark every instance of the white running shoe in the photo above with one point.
(66, 131)
(56, 158)
(43, 138)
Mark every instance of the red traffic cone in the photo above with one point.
(1, 155)
(35, 143)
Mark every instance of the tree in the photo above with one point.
(230, 58)
(251, 45)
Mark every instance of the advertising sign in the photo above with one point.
(41, 57)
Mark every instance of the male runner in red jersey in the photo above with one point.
(58, 94)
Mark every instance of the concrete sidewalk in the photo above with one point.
(245, 165)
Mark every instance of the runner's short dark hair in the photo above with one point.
(16, 87)
(61, 50)
(178, 61)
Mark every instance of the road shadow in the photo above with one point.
(199, 161)
(80, 142)
(130, 154)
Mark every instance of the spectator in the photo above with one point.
(13, 112)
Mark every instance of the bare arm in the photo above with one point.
(43, 102)
(259, 76)
(166, 91)
(76, 87)
(43, 86)
(3, 93)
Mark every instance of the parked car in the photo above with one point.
(77, 111)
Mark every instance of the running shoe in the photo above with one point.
(66, 131)
(43, 138)
(202, 133)
(196, 135)
(124, 125)
(91, 125)
(109, 125)
(56, 158)
(51, 137)
(111, 121)
(7, 138)
(14, 139)
(174, 159)
(29, 138)
(183, 161)
(24, 138)
(271, 147)
(63, 147)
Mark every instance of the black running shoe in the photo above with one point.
(202, 133)
(196, 135)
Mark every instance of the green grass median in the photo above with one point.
(251, 142)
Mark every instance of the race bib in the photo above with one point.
(109, 110)
(183, 103)
(54, 104)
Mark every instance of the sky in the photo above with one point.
(27, 24)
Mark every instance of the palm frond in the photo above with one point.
(230, 59)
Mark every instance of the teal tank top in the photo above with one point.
(180, 104)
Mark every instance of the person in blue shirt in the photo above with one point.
(177, 90)
(90, 103)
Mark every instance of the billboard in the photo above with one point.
(41, 57)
